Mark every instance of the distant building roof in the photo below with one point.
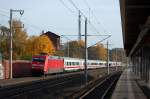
(52, 34)
(54, 38)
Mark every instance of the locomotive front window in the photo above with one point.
(38, 60)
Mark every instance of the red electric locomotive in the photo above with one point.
(44, 64)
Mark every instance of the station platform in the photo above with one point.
(127, 87)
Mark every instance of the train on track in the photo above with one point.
(45, 64)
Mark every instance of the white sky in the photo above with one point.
(52, 15)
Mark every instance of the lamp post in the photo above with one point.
(10, 37)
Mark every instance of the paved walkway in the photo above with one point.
(127, 88)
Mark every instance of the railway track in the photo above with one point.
(15, 81)
(48, 87)
(101, 89)
(30, 90)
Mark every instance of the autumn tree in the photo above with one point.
(23, 45)
(118, 54)
(102, 52)
(59, 53)
(75, 49)
(29, 47)
(42, 44)
(19, 39)
(4, 41)
(97, 52)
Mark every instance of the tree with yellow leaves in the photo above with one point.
(97, 52)
(43, 44)
(75, 50)
(19, 39)
(23, 45)
(102, 51)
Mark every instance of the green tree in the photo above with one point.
(4, 41)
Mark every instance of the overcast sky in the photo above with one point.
(52, 15)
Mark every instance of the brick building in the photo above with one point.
(54, 38)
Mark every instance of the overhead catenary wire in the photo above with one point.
(89, 22)
(5, 10)
(23, 20)
(101, 40)
(67, 7)
(4, 15)
(5, 19)
(74, 5)
(95, 17)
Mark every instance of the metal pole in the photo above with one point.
(85, 62)
(68, 48)
(10, 37)
(116, 58)
(10, 60)
(79, 27)
(107, 58)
